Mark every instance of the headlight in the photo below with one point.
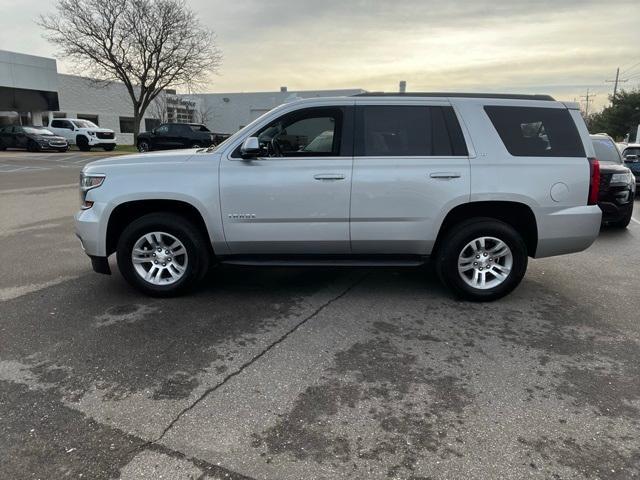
(88, 182)
(624, 178)
(93, 134)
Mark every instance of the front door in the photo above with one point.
(294, 197)
(410, 165)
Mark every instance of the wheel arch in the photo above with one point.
(516, 214)
(126, 212)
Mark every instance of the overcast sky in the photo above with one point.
(561, 47)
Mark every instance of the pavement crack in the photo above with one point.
(256, 357)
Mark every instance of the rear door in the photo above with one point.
(410, 164)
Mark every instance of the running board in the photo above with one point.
(325, 261)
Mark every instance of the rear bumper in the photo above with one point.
(568, 230)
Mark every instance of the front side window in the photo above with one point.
(306, 133)
(536, 131)
(407, 131)
(162, 129)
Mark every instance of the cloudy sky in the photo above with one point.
(561, 47)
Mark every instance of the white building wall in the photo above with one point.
(228, 112)
(80, 96)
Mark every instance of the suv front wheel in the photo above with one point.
(482, 259)
(162, 254)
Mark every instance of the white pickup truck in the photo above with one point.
(83, 133)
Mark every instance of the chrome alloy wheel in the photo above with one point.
(485, 262)
(159, 258)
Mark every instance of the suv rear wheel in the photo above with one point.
(162, 254)
(482, 259)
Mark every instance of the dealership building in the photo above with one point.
(32, 91)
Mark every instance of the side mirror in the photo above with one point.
(250, 148)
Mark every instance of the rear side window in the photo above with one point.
(536, 132)
(402, 131)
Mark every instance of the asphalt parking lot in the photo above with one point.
(306, 373)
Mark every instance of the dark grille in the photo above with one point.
(105, 135)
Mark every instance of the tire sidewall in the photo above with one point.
(144, 142)
(465, 233)
(175, 226)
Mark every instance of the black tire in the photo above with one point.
(144, 146)
(191, 237)
(454, 242)
(33, 146)
(2, 147)
(83, 144)
(623, 222)
(109, 148)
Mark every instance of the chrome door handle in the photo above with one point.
(329, 176)
(445, 175)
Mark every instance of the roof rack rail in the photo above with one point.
(508, 96)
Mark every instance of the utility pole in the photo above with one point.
(587, 99)
(615, 84)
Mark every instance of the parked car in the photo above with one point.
(175, 135)
(631, 156)
(478, 183)
(31, 138)
(617, 183)
(83, 133)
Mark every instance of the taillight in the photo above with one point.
(594, 181)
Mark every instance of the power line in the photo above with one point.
(626, 70)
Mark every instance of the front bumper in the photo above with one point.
(94, 141)
(90, 231)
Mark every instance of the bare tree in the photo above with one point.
(148, 45)
(158, 107)
(204, 113)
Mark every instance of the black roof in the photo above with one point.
(508, 96)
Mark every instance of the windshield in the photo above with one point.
(238, 134)
(37, 130)
(606, 151)
(84, 124)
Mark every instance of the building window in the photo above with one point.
(151, 123)
(127, 124)
(59, 115)
(91, 118)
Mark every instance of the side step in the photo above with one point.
(325, 260)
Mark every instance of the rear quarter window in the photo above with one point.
(536, 131)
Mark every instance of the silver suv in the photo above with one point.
(478, 183)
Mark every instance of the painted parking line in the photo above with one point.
(6, 168)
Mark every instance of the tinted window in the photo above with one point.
(536, 132)
(385, 130)
(606, 150)
(162, 129)
(199, 128)
(59, 124)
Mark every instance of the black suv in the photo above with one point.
(31, 138)
(617, 183)
(175, 135)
